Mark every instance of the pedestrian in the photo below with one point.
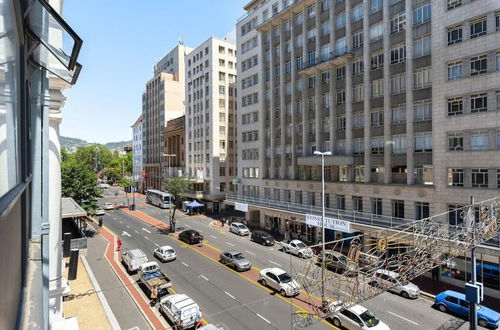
(223, 221)
(118, 244)
(154, 295)
(435, 274)
(100, 221)
(198, 319)
(85, 225)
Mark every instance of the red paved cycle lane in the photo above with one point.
(301, 301)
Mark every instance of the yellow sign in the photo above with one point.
(382, 244)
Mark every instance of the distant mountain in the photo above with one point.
(72, 143)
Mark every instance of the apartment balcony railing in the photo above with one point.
(293, 7)
(322, 63)
(355, 217)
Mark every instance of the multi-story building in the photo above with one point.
(211, 120)
(404, 93)
(137, 154)
(163, 100)
(175, 134)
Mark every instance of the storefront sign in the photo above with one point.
(330, 223)
(241, 207)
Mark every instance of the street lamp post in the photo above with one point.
(169, 194)
(323, 154)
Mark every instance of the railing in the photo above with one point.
(348, 215)
(323, 59)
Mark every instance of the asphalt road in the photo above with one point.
(214, 287)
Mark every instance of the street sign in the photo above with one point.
(330, 223)
(241, 207)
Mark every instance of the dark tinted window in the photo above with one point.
(452, 299)
(464, 303)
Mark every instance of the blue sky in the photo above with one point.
(121, 42)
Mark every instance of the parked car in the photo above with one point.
(100, 211)
(151, 276)
(296, 247)
(262, 237)
(455, 302)
(191, 236)
(103, 185)
(280, 281)
(357, 317)
(392, 281)
(165, 253)
(108, 206)
(337, 262)
(181, 310)
(239, 228)
(133, 259)
(235, 259)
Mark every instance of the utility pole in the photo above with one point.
(169, 194)
(323, 154)
(473, 304)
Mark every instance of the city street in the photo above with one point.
(231, 299)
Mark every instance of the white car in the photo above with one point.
(239, 228)
(357, 317)
(280, 281)
(296, 247)
(165, 253)
(392, 280)
(180, 310)
(100, 211)
(108, 206)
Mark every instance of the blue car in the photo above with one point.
(454, 302)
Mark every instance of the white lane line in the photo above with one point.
(128, 226)
(206, 279)
(250, 252)
(185, 264)
(213, 236)
(230, 244)
(262, 317)
(157, 245)
(147, 231)
(230, 295)
(121, 221)
(146, 237)
(277, 264)
(136, 232)
(401, 317)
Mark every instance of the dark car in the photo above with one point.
(262, 238)
(191, 236)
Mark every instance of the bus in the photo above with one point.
(159, 198)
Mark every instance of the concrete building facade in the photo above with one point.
(137, 173)
(404, 93)
(175, 134)
(163, 100)
(211, 120)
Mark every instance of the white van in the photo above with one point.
(181, 310)
(133, 259)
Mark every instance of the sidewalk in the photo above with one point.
(85, 304)
(432, 288)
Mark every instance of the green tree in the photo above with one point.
(177, 186)
(126, 183)
(96, 157)
(80, 183)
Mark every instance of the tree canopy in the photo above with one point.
(177, 186)
(80, 183)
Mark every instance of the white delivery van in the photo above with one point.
(133, 259)
(181, 310)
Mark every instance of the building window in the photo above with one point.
(478, 102)
(422, 46)
(398, 114)
(399, 144)
(479, 140)
(325, 77)
(376, 31)
(325, 5)
(497, 21)
(376, 61)
(480, 178)
(422, 78)
(357, 67)
(423, 142)
(422, 14)
(340, 96)
(377, 206)
(325, 28)
(357, 93)
(422, 111)
(358, 120)
(377, 118)
(455, 35)
(357, 203)
(478, 65)
(478, 28)
(455, 70)
(398, 83)
(450, 4)
(341, 123)
(398, 54)
(456, 177)
(398, 23)
(357, 12)
(421, 210)
(398, 208)
(377, 145)
(498, 61)
(340, 72)
(340, 21)
(456, 141)
(357, 39)
(340, 199)
(376, 88)
(455, 214)
(455, 106)
(358, 146)
(343, 176)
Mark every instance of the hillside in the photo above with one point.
(72, 143)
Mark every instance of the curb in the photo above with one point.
(427, 295)
(100, 295)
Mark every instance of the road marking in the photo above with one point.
(185, 264)
(157, 245)
(146, 237)
(147, 231)
(206, 279)
(230, 295)
(121, 221)
(213, 236)
(262, 317)
(401, 317)
(250, 252)
(136, 232)
(124, 233)
(243, 237)
(277, 264)
(231, 244)
(128, 226)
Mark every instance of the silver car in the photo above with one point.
(165, 253)
(392, 280)
(235, 259)
(239, 228)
